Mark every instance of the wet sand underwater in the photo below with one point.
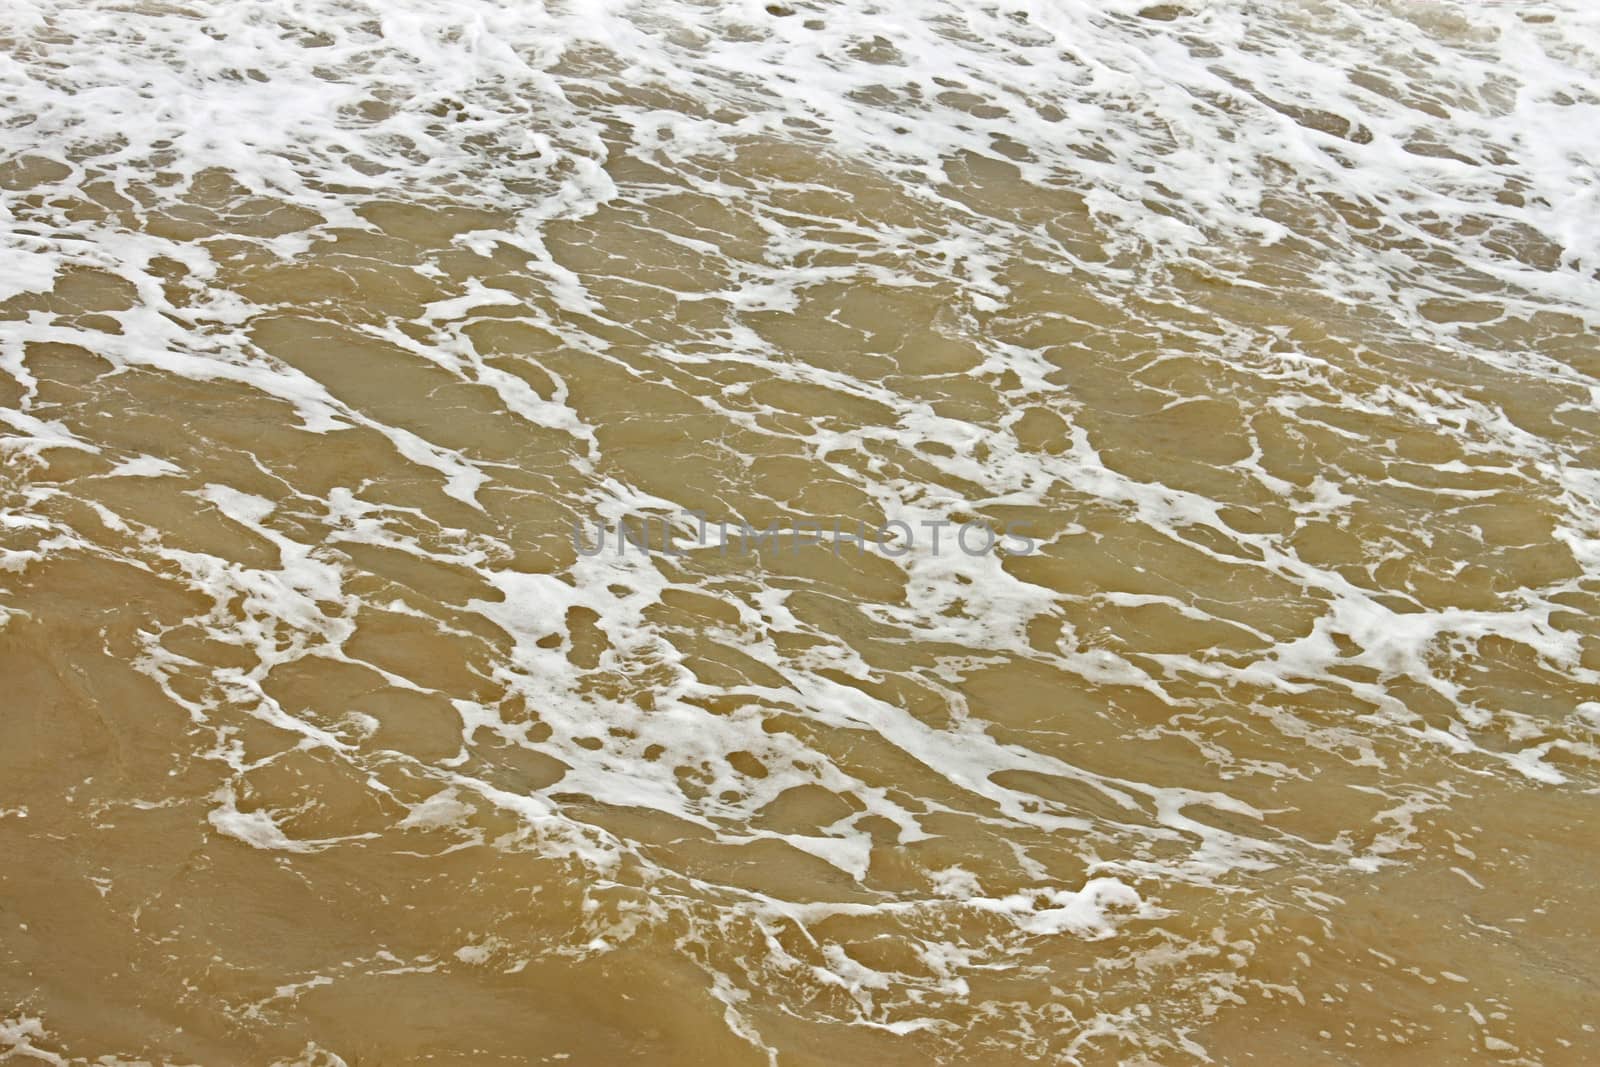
(503, 533)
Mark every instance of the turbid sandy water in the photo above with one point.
(334, 338)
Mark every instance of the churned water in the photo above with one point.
(950, 531)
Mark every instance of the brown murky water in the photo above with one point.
(327, 738)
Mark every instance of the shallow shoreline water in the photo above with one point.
(1272, 325)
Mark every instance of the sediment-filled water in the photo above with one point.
(469, 481)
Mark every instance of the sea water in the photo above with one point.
(333, 333)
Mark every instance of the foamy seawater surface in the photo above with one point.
(335, 335)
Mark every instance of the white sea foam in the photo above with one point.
(1464, 133)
